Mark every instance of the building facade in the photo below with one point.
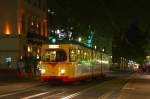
(23, 29)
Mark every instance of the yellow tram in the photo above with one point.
(71, 62)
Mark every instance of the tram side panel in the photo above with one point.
(83, 67)
(96, 64)
(82, 71)
(101, 64)
(96, 69)
(105, 64)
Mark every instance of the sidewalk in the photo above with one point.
(138, 87)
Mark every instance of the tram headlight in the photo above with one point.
(43, 71)
(62, 71)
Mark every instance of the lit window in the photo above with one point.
(72, 55)
(79, 55)
(32, 23)
(55, 55)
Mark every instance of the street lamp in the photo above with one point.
(79, 39)
(57, 31)
(111, 57)
(29, 49)
(102, 58)
(95, 47)
(103, 50)
(49, 10)
(53, 40)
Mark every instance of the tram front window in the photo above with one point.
(57, 55)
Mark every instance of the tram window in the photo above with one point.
(85, 55)
(89, 55)
(58, 55)
(82, 56)
(72, 55)
(79, 58)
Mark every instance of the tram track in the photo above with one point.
(63, 91)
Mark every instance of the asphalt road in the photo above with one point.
(104, 88)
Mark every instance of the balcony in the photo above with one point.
(35, 38)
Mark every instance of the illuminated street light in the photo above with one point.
(29, 49)
(58, 31)
(95, 46)
(49, 10)
(79, 39)
(21, 57)
(53, 40)
(37, 56)
(110, 56)
(103, 50)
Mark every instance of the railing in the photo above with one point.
(33, 37)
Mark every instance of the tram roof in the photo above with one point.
(74, 42)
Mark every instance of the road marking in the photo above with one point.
(13, 93)
(106, 95)
(71, 96)
(128, 87)
(36, 95)
(8, 94)
(52, 95)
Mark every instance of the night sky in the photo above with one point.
(104, 13)
(107, 17)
